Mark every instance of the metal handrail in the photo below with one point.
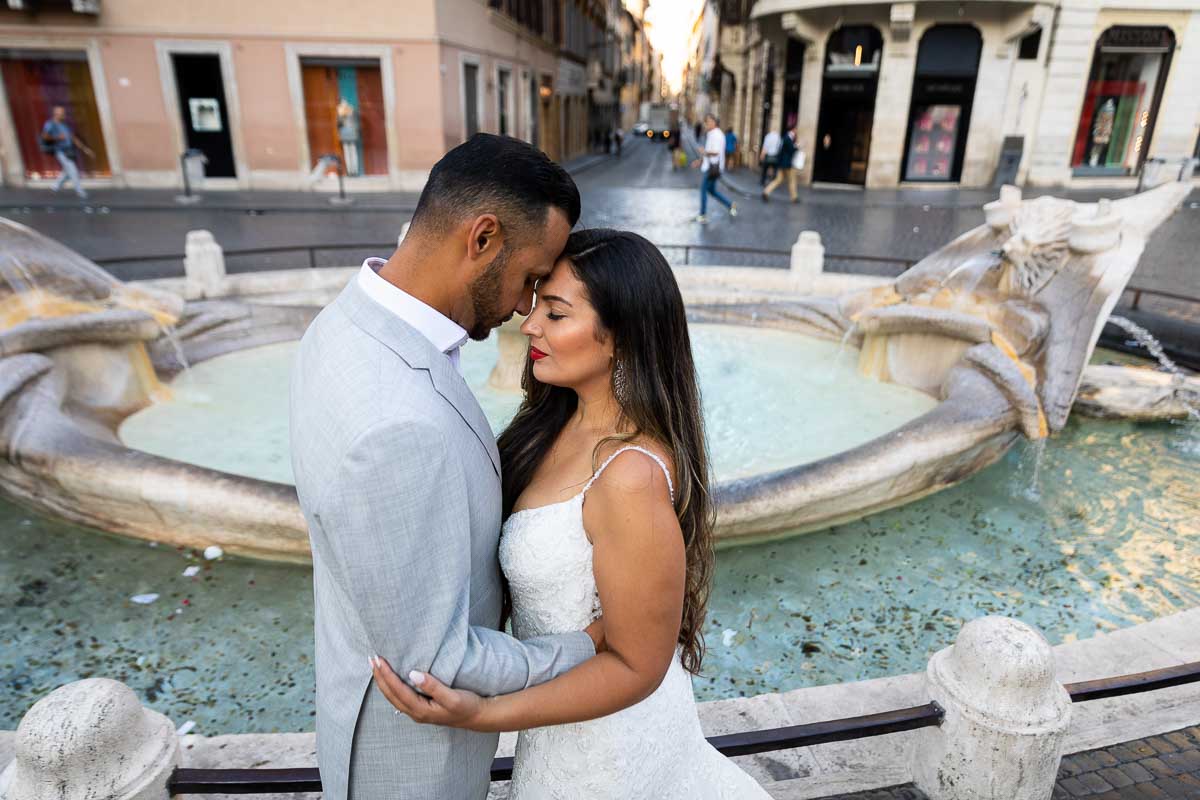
(1086, 691)
(1138, 291)
(253, 251)
(308, 779)
(311, 250)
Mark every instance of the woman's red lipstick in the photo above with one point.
(535, 354)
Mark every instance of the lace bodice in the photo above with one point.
(655, 748)
(547, 559)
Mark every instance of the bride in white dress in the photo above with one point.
(608, 514)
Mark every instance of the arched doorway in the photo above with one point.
(943, 91)
(1120, 106)
(852, 58)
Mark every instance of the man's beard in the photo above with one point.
(486, 291)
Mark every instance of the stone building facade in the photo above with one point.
(933, 93)
(265, 88)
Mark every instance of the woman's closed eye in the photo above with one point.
(553, 316)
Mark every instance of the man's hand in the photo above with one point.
(439, 705)
(596, 631)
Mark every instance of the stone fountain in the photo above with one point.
(998, 325)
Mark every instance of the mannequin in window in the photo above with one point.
(1102, 129)
(347, 128)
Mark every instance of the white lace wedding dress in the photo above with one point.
(654, 749)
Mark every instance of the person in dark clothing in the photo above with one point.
(787, 155)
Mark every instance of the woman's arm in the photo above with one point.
(639, 564)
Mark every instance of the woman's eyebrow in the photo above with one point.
(556, 298)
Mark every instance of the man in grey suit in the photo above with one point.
(398, 474)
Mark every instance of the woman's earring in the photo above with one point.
(620, 382)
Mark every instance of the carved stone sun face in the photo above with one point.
(1037, 247)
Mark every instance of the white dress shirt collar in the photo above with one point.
(444, 333)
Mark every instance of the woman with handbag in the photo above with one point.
(710, 168)
(791, 161)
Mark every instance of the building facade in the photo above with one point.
(933, 93)
(636, 77)
(264, 89)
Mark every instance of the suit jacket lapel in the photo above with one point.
(453, 387)
(419, 353)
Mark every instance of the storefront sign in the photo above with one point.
(572, 78)
(855, 88)
(946, 88)
(1140, 38)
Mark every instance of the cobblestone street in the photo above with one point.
(639, 191)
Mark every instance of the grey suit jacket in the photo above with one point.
(398, 477)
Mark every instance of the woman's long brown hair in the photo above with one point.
(635, 295)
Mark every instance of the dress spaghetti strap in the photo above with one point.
(657, 460)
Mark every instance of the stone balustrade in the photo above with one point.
(1006, 719)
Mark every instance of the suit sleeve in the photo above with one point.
(398, 525)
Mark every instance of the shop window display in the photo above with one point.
(1120, 104)
(942, 97)
(37, 82)
(935, 133)
(343, 109)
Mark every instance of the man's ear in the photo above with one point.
(484, 238)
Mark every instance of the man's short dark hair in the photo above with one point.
(500, 175)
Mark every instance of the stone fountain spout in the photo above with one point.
(1046, 273)
(79, 352)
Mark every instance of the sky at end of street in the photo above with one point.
(668, 27)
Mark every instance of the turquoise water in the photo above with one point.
(771, 399)
(1113, 539)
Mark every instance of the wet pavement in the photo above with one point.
(1165, 767)
(638, 191)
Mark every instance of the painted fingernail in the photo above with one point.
(416, 677)
(374, 661)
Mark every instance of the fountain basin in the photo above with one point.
(1041, 302)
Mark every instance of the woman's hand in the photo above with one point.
(439, 705)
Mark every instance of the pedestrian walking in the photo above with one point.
(675, 149)
(770, 157)
(711, 166)
(619, 137)
(787, 167)
(730, 148)
(58, 138)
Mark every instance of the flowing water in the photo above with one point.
(1155, 349)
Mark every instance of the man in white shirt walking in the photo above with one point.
(770, 156)
(712, 164)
